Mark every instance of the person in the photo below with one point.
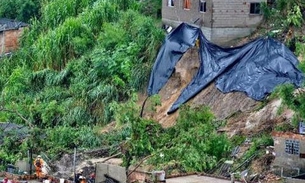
(15, 180)
(39, 163)
(5, 180)
(92, 178)
(82, 179)
(79, 176)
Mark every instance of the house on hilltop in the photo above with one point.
(220, 20)
(10, 31)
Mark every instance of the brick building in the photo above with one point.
(220, 20)
(10, 32)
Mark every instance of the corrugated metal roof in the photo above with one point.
(7, 128)
(9, 24)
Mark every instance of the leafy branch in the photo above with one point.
(18, 114)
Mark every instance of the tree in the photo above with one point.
(152, 8)
(22, 10)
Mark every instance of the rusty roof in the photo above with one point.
(10, 24)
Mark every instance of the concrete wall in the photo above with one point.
(292, 180)
(220, 13)
(9, 40)
(234, 14)
(179, 14)
(224, 20)
(23, 166)
(288, 160)
(207, 32)
(114, 171)
(222, 36)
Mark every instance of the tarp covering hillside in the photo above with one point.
(255, 68)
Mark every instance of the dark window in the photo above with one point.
(170, 2)
(202, 6)
(255, 8)
(302, 128)
(292, 147)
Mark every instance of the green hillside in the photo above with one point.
(80, 66)
(77, 61)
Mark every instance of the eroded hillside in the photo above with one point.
(243, 114)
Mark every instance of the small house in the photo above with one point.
(10, 31)
(220, 20)
(289, 151)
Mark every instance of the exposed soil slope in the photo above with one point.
(243, 114)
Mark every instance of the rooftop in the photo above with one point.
(9, 24)
(288, 135)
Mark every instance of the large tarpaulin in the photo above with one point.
(255, 68)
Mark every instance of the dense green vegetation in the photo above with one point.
(76, 61)
(192, 145)
(79, 68)
(289, 30)
(22, 10)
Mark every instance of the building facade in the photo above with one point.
(10, 31)
(289, 151)
(220, 20)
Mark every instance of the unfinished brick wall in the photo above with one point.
(9, 40)
(223, 20)
(219, 13)
(177, 13)
(234, 13)
(289, 149)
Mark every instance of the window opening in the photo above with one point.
(255, 8)
(202, 6)
(292, 147)
(187, 4)
(302, 128)
(170, 3)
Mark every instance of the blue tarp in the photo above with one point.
(255, 68)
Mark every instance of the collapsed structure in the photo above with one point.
(255, 68)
